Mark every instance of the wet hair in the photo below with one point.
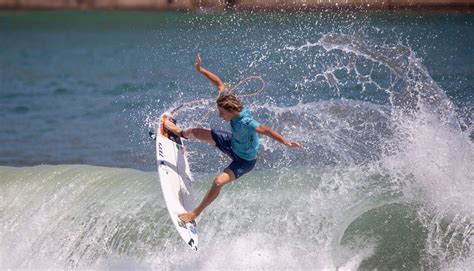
(229, 102)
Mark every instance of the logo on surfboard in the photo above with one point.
(192, 229)
(160, 149)
(181, 223)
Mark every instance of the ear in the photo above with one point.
(227, 110)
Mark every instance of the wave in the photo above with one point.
(87, 217)
(72, 216)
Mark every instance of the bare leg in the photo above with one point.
(202, 134)
(222, 179)
(196, 133)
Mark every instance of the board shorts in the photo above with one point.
(238, 166)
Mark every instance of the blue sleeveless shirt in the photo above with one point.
(244, 137)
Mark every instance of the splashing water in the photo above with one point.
(428, 147)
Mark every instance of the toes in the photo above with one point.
(182, 217)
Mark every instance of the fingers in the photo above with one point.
(198, 59)
(298, 144)
(294, 144)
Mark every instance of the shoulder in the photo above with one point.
(249, 121)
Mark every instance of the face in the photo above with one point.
(226, 114)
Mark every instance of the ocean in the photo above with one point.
(383, 103)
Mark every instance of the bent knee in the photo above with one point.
(219, 182)
(224, 178)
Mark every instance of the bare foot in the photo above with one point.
(187, 217)
(173, 128)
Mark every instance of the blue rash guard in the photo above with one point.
(245, 141)
(241, 145)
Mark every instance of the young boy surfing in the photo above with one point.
(241, 145)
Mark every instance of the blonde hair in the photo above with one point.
(229, 102)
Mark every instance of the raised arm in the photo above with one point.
(262, 129)
(209, 75)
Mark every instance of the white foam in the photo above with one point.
(440, 160)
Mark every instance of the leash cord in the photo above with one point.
(211, 108)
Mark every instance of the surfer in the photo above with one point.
(241, 145)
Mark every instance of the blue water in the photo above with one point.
(382, 101)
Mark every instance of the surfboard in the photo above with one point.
(176, 180)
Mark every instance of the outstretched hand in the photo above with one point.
(293, 144)
(197, 64)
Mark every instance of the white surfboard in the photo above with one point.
(175, 179)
